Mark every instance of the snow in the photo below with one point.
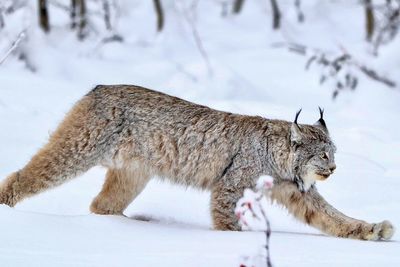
(168, 225)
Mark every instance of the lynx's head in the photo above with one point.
(312, 152)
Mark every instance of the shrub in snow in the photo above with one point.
(339, 69)
(251, 213)
(382, 21)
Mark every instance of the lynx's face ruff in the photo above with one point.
(313, 153)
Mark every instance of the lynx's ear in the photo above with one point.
(321, 123)
(295, 132)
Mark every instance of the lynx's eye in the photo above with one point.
(324, 156)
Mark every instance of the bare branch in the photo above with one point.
(383, 22)
(2, 24)
(300, 14)
(375, 76)
(44, 16)
(267, 234)
(189, 19)
(369, 19)
(107, 14)
(14, 6)
(21, 36)
(237, 6)
(251, 214)
(341, 68)
(2, 11)
(73, 13)
(276, 15)
(82, 19)
(160, 15)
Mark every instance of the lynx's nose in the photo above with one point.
(332, 167)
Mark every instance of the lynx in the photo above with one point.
(137, 133)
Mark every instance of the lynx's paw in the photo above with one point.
(5, 197)
(383, 230)
(387, 230)
(101, 207)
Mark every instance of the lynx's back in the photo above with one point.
(186, 142)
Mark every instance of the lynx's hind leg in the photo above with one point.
(120, 188)
(70, 151)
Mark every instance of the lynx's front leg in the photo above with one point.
(311, 208)
(226, 193)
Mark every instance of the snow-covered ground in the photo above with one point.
(169, 225)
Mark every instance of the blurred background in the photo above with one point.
(256, 57)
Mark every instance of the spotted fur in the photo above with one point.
(138, 133)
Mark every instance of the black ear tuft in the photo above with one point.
(321, 119)
(295, 132)
(321, 112)
(321, 123)
(297, 116)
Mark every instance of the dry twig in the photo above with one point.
(340, 67)
(21, 36)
